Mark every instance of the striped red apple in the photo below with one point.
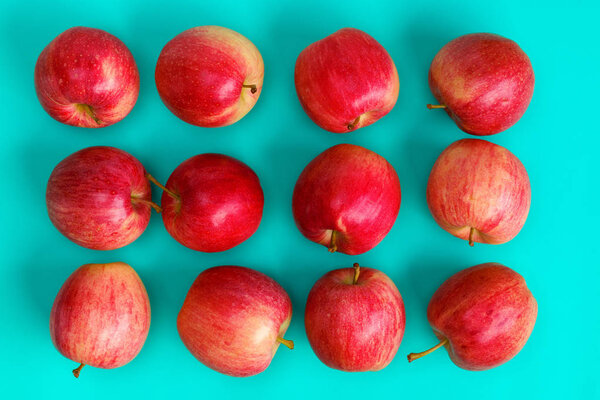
(86, 77)
(101, 316)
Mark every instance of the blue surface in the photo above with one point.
(556, 252)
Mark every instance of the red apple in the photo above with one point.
(212, 202)
(209, 76)
(479, 191)
(87, 77)
(482, 315)
(347, 199)
(483, 81)
(355, 319)
(99, 198)
(233, 320)
(101, 316)
(346, 81)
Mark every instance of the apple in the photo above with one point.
(479, 191)
(483, 81)
(212, 202)
(101, 316)
(99, 198)
(347, 199)
(355, 319)
(209, 76)
(233, 320)
(87, 77)
(346, 81)
(482, 315)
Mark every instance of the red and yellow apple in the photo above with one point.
(482, 315)
(355, 319)
(209, 76)
(483, 81)
(346, 81)
(233, 320)
(87, 77)
(101, 316)
(479, 191)
(347, 199)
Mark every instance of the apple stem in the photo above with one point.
(435, 106)
(89, 111)
(471, 237)
(356, 273)
(332, 245)
(77, 370)
(147, 202)
(353, 124)
(251, 87)
(288, 343)
(413, 356)
(157, 183)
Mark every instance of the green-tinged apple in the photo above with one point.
(483, 81)
(101, 316)
(99, 197)
(346, 81)
(355, 319)
(479, 191)
(209, 76)
(233, 320)
(482, 315)
(347, 199)
(86, 77)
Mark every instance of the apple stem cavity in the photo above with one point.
(160, 185)
(288, 343)
(356, 273)
(471, 236)
(332, 245)
(147, 202)
(77, 370)
(353, 124)
(252, 88)
(84, 108)
(413, 356)
(435, 106)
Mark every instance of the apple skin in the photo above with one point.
(358, 326)
(101, 316)
(98, 198)
(345, 76)
(486, 312)
(86, 77)
(231, 319)
(200, 73)
(347, 199)
(219, 203)
(480, 186)
(485, 82)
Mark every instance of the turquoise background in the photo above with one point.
(556, 252)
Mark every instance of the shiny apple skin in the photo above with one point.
(231, 319)
(485, 81)
(350, 190)
(91, 195)
(487, 312)
(220, 203)
(87, 66)
(101, 315)
(478, 184)
(343, 76)
(355, 327)
(200, 73)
